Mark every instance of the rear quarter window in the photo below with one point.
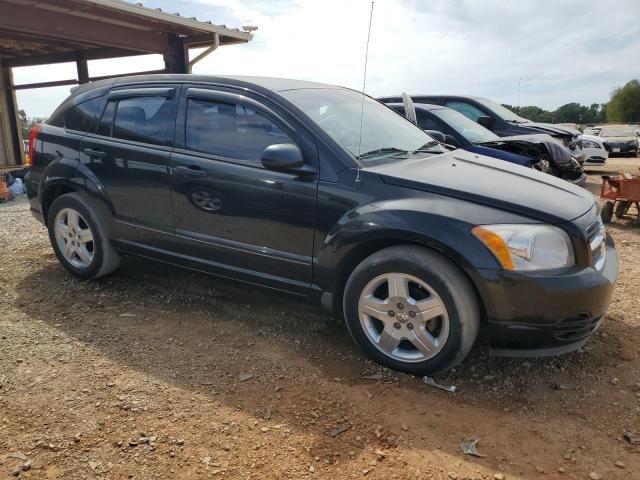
(81, 117)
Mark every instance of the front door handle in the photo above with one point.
(90, 152)
(189, 171)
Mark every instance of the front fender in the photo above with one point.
(370, 224)
(435, 221)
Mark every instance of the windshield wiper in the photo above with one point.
(381, 151)
(428, 147)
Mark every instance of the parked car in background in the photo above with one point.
(415, 245)
(540, 151)
(573, 126)
(500, 120)
(620, 139)
(594, 149)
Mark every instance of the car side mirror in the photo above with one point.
(451, 140)
(486, 122)
(286, 158)
(436, 135)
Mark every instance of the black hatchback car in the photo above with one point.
(286, 185)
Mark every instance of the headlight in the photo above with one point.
(590, 144)
(527, 247)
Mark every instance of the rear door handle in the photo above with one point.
(189, 171)
(90, 152)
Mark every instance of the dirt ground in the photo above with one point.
(156, 372)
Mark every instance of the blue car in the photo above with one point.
(538, 151)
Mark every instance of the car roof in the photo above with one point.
(425, 106)
(266, 83)
(433, 95)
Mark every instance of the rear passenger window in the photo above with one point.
(145, 119)
(230, 130)
(83, 117)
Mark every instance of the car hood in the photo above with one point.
(535, 145)
(553, 130)
(618, 139)
(492, 182)
(592, 138)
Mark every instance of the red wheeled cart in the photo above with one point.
(619, 192)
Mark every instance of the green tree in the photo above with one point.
(625, 103)
(535, 114)
(570, 113)
(531, 112)
(602, 113)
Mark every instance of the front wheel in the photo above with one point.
(412, 310)
(621, 208)
(607, 212)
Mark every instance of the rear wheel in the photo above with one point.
(607, 212)
(412, 310)
(78, 238)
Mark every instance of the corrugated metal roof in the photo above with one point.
(205, 26)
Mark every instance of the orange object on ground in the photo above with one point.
(4, 190)
(619, 193)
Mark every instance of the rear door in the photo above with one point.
(233, 215)
(129, 153)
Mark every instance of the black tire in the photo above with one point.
(445, 278)
(621, 209)
(105, 258)
(607, 212)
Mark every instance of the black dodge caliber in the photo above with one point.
(326, 194)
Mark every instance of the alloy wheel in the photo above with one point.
(74, 238)
(403, 317)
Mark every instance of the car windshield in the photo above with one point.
(616, 132)
(385, 136)
(502, 112)
(472, 131)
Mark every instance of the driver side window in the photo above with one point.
(466, 109)
(230, 130)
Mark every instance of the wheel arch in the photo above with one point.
(65, 176)
(361, 251)
(52, 191)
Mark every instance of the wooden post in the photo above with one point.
(176, 59)
(82, 67)
(10, 129)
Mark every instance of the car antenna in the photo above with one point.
(364, 85)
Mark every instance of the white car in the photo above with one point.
(594, 149)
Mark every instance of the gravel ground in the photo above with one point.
(156, 372)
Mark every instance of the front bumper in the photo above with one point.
(614, 148)
(534, 314)
(597, 160)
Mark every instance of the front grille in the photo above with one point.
(576, 328)
(596, 235)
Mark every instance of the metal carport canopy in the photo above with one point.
(40, 32)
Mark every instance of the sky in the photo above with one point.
(526, 52)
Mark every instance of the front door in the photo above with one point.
(232, 215)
